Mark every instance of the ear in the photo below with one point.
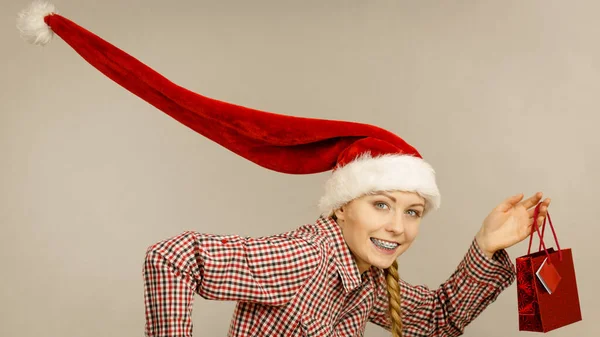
(340, 213)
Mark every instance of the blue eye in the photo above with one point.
(382, 204)
(414, 213)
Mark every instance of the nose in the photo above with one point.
(396, 224)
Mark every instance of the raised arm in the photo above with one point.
(485, 271)
(268, 270)
(446, 311)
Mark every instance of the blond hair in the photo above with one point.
(393, 288)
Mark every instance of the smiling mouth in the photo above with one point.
(385, 244)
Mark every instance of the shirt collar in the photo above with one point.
(345, 264)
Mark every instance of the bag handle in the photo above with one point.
(535, 227)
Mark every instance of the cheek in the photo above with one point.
(411, 231)
(363, 224)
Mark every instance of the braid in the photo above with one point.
(393, 288)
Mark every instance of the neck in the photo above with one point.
(362, 267)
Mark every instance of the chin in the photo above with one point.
(383, 264)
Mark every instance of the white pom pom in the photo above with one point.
(30, 23)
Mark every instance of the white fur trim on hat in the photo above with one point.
(367, 174)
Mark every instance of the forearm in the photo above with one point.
(446, 311)
(171, 274)
(480, 280)
(267, 271)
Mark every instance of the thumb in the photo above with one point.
(509, 203)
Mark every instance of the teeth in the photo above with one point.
(384, 244)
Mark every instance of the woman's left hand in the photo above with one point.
(510, 223)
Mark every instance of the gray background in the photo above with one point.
(501, 97)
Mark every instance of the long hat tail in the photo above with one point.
(275, 141)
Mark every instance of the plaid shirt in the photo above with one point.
(306, 283)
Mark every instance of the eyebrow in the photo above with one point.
(394, 199)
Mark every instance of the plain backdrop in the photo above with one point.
(501, 97)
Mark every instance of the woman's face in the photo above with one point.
(379, 227)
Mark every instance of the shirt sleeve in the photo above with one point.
(265, 270)
(446, 311)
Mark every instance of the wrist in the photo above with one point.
(483, 246)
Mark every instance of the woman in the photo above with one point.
(333, 276)
(326, 278)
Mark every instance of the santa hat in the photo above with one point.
(363, 158)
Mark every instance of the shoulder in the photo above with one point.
(311, 235)
(305, 243)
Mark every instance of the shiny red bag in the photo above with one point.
(546, 285)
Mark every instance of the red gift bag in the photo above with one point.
(546, 285)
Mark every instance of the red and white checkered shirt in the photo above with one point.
(306, 283)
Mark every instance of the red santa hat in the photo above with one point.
(363, 158)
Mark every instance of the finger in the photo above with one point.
(532, 201)
(541, 217)
(509, 202)
(543, 212)
(540, 221)
(543, 208)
